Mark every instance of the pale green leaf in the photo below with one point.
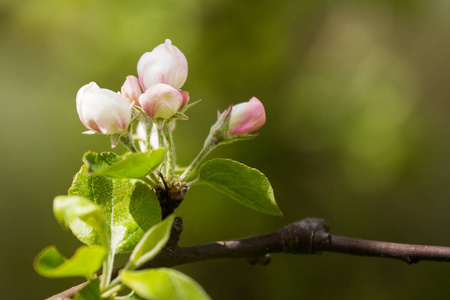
(246, 185)
(133, 165)
(152, 242)
(90, 292)
(129, 206)
(68, 208)
(85, 262)
(163, 284)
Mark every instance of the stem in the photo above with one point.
(161, 141)
(124, 297)
(147, 124)
(154, 178)
(171, 156)
(111, 290)
(108, 266)
(115, 282)
(159, 127)
(128, 142)
(149, 180)
(210, 145)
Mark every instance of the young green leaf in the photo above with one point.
(151, 243)
(90, 292)
(246, 185)
(167, 284)
(68, 208)
(133, 165)
(129, 206)
(85, 262)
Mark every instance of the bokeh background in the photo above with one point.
(357, 95)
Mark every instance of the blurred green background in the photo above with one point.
(357, 132)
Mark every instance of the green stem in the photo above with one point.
(148, 125)
(108, 266)
(154, 178)
(171, 157)
(159, 126)
(124, 297)
(112, 289)
(115, 282)
(150, 181)
(210, 144)
(128, 142)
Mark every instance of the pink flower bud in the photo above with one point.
(185, 96)
(102, 110)
(165, 64)
(131, 89)
(246, 117)
(161, 101)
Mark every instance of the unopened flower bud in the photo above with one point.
(131, 89)
(102, 110)
(165, 64)
(161, 101)
(185, 96)
(142, 136)
(246, 117)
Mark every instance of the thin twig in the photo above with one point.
(409, 253)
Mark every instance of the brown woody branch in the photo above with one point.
(307, 236)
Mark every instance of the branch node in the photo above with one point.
(307, 236)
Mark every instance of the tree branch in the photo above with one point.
(411, 254)
(307, 236)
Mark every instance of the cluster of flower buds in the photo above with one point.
(156, 92)
(162, 73)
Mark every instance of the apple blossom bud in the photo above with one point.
(141, 136)
(246, 117)
(165, 64)
(154, 139)
(102, 110)
(185, 96)
(161, 101)
(131, 89)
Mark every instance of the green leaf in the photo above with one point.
(134, 165)
(129, 207)
(152, 242)
(246, 185)
(167, 284)
(85, 262)
(90, 292)
(67, 208)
